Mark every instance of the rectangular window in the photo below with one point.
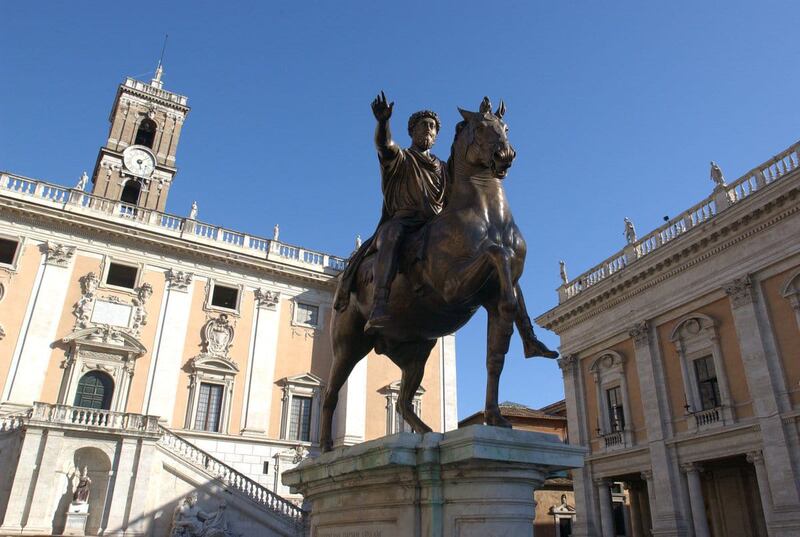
(266, 467)
(707, 382)
(307, 314)
(8, 251)
(616, 412)
(300, 419)
(122, 275)
(225, 297)
(209, 407)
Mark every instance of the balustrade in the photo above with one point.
(613, 439)
(705, 418)
(77, 200)
(93, 418)
(230, 477)
(743, 187)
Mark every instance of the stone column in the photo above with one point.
(123, 480)
(40, 517)
(24, 480)
(168, 352)
(667, 516)
(448, 376)
(351, 412)
(699, 519)
(138, 521)
(33, 350)
(636, 511)
(756, 458)
(764, 384)
(261, 365)
(606, 512)
(587, 522)
(647, 475)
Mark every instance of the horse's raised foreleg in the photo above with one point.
(350, 345)
(498, 339)
(530, 343)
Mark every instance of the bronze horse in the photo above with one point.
(472, 255)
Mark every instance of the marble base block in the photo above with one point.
(470, 482)
(76, 519)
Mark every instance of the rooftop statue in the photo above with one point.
(716, 174)
(445, 246)
(630, 231)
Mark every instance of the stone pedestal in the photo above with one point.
(469, 482)
(76, 519)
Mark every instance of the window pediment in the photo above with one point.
(304, 379)
(214, 364)
(394, 387)
(607, 361)
(107, 338)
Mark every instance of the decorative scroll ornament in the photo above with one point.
(267, 299)
(740, 291)
(567, 362)
(178, 280)
(83, 308)
(217, 337)
(2, 332)
(58, 255)
(143, 293)
(640, 334)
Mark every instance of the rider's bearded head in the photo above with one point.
(423, 126)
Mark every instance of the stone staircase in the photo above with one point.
(231, 478)
(172, 468)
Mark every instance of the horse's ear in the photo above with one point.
(501, 110)
(466, 114)
(486, 106)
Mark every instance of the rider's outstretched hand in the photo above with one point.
(380, 109)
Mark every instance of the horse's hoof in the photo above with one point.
(326, 445)
(495, 419)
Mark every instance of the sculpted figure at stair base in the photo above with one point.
(469, 255)
(189, 521)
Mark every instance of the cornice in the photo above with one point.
(92, 228)
(752, 216)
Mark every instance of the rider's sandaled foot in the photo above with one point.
(533, 347)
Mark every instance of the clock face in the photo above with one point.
(139, 161)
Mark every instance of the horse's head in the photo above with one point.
(482, 139)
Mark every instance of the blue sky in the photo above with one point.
(615, 110)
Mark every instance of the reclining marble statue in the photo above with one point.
(189, 520)
(446, 245)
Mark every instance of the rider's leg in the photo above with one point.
(383, 271)
(530, 343)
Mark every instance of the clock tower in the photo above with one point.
(137, 164)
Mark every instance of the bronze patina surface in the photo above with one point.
(446, 245)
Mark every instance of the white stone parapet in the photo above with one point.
(78, 202)
(704, 211)
(48, 415)
(474, 481)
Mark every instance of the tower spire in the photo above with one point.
(156, 82)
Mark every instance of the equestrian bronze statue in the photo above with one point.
(458, 255)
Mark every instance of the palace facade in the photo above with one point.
(681, 365)
(165, 354)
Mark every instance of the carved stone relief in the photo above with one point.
(58, 255)
(217, 336)
(178, 280)
(93, 309)
(740, 291)
(267, 299)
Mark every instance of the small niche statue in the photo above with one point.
(81, 494)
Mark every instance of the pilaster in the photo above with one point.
(261, 365)
(763, 387)
(25, 478)
(119, 508)
(699, 519)
(40, 517)
(169, 348)
(34, 348)
(351, 412)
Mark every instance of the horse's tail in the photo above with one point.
(348, 277)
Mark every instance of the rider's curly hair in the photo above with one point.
(416, 116)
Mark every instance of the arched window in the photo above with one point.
(94, 391)
(146, 134)
(130, 193)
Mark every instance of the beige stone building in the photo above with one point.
(163, 353)
(681, 364)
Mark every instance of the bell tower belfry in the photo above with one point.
(137, 164)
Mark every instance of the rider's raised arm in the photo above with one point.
(382, 111)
